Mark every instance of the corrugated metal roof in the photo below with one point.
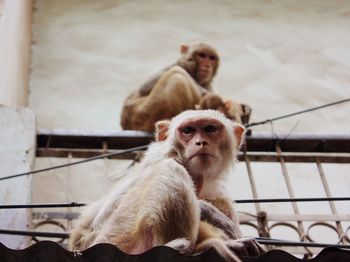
(51, 251)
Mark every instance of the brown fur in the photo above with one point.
(173, 90)
(230, 109)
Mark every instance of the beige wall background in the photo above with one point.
(277, 56)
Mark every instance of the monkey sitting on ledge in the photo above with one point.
(177, 197)
(176, 88)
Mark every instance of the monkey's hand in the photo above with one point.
(246, 247)
(246, 112)
(214, 216)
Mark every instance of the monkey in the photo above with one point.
(214, 101)
(176, 88)
(157, 209)
(234, 111)
(167, 201)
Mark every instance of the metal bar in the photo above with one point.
(290, 191)
(55, 215)
(239, 201)
(242, 217)
(329, 194)
(82, 153)
(75, 163)
(34, 233)
(72, 204)
(252, 183)
(278, 200)
(253, 156)
(278, 242)
(258, 141)
(265, 241)
(293, 218)
(296, 157)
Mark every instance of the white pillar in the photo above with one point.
(15, 42)
(17, 152)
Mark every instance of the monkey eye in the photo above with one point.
(202, 55)
(188, 130)
(210, 129)
(212, 58)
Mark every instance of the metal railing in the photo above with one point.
(259, 148)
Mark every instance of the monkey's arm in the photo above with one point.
(147, 87)
(214, 216)
(241, 246)
(246, 247)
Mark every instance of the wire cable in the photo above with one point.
(59, 205)
(145, 146)
(279, 242)
(279, 200)
(77, 162)
(239, 201)
(261, 240)
(297, 113)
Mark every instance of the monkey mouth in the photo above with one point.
(204, 72)
(202, 155)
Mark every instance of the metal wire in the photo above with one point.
(278, 200)
(280, 242)
(77, 162)
(297, 113)
(261, 240)
(145, 146)
(72, 204)
(34, 233)
(239, 201)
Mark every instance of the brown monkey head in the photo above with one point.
(201, 61)
(212, 101)
(216, 102)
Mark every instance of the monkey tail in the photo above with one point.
(220, 246)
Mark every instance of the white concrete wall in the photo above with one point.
(277, 56)
(15, 43)
(17, 152)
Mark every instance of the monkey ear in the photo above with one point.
(162, 128)
(238, 132)
(184, 49)
(228, 105)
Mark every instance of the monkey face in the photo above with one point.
(207, 62)
(201, 61)
(202, 142)
(205, 142)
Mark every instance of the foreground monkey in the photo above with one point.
(167, 202)
(176, 88)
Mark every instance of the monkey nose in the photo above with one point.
(201, 143)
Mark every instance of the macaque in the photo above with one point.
(177, 197)
(176, 88)
(237, 112)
